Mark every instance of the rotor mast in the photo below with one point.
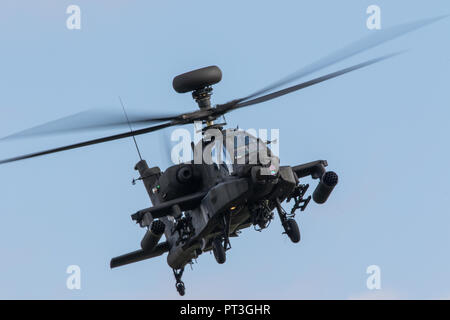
(199, 82)
(203, 99)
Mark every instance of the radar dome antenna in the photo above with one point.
(199, 82)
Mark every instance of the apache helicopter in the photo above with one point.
(198, 207)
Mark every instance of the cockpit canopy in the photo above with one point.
(245, 148)
(241, 147)
(233, 147)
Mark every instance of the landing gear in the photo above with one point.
(289, 224)
(179, 284)
(219, 250)
(221, 244)
(180, 288)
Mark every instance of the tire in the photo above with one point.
(219, 251)
(181, 289)
(292, 230)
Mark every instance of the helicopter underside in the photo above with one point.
(204, 222)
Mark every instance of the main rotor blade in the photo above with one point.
(89, 120)
(95, 141)
(304, 84)
(375, 39)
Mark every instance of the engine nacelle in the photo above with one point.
(327, 183)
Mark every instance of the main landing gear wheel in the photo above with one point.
(291, 228)
(179, 284)
(289, 224)
(219, 250)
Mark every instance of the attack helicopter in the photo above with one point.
(199, 205)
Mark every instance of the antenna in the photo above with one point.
(129, 125)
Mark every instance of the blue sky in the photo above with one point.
(384, 129)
